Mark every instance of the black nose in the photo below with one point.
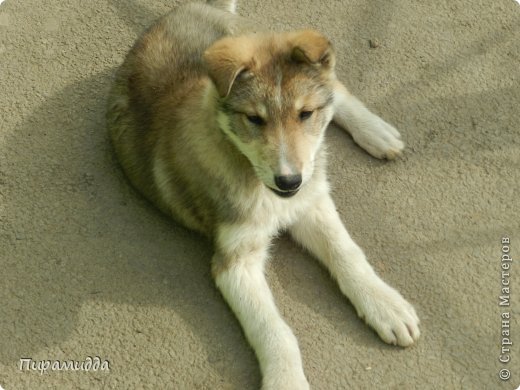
(288, 183)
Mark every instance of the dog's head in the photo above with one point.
(275, 103)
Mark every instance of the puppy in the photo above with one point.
(221, 126)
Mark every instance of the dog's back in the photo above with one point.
(170, 53)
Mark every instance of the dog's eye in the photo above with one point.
(305, 115)
(256, 120)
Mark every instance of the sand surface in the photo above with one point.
(88, 268)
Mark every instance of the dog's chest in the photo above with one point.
(272, 213)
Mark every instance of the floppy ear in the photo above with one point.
(311, 47)
(225, 60)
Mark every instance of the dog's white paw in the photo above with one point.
(378, 138)
(391, 316)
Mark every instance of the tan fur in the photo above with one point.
(206, 115)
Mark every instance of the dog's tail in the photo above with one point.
(226, 5)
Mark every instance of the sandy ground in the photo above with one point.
(91, 269)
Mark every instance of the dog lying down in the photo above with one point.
(222, 128)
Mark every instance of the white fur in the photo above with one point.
(244, 287)
(313, 221)
(285, 168)
(321, 231)
(368, 130)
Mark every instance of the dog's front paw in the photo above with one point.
(378, 138)
(391, 316)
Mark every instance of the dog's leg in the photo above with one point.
(323, 234)
(368, 130)
(238, 269)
